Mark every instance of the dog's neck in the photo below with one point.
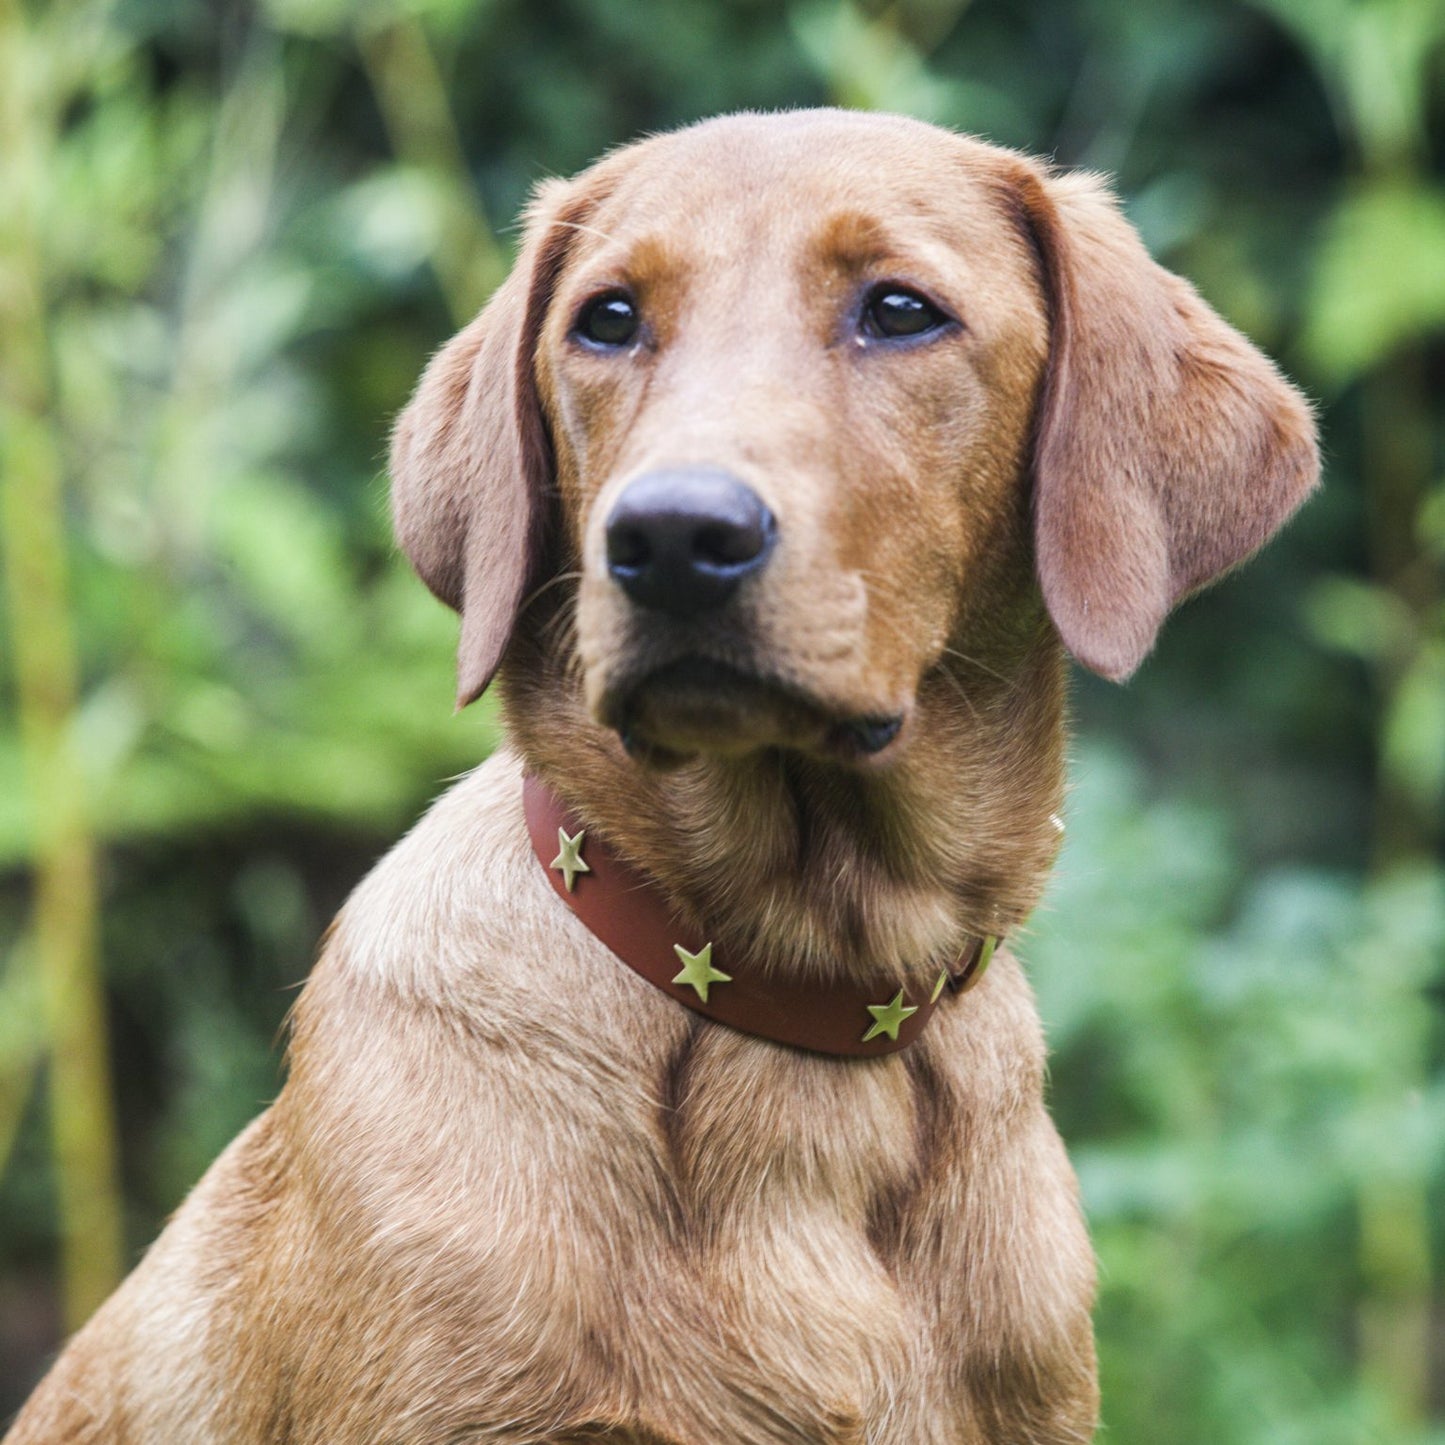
(825, 871)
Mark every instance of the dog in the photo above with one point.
(776, 482)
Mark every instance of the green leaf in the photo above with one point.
(1358, 618)
(1414, 741)
(1379, 280)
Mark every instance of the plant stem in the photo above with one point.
(1396, 1268)
(412, 95)
(42, 645)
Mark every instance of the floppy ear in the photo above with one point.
(1167, 448)
(471, 462)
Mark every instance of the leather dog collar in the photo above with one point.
(629, 913)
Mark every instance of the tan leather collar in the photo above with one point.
(630, 914)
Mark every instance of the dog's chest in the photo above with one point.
(711, 1256)
(712, 1239)
(858, 1255)
(751, 1129)
(783, 1310)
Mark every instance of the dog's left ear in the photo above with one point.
(1167, 450)
(471, 462)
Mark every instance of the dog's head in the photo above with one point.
(807, 403)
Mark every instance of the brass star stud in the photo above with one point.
(569, 861)
(697, 970)
(888, 1016)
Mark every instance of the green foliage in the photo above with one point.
(1239, 1060)
(1379, 282)
(228, 240)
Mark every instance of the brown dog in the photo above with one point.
(777, 478)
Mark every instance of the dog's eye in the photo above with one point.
(890, 311)
(608, 320)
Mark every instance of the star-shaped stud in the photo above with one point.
(888, 1016)
(938, 987)
(697, 970)
(569, 861)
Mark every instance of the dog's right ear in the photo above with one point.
(471, 462)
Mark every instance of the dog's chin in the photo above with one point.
(698, 706)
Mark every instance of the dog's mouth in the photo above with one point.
(695, 705)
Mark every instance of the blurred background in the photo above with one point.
(230, 235)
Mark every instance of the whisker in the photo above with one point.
(579, 226)
(943, 671)
(557, 629)
(888, 586)
(550, 583)
(963, 657)
(962, 692)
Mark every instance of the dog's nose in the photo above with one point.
(680, 541)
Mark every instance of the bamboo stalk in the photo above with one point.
(66, 943)
(1395, 1312)
(1395, 1324)
(412, 96)
(19, 1048)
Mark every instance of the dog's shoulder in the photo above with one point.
(458, 935)
(456, 898)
